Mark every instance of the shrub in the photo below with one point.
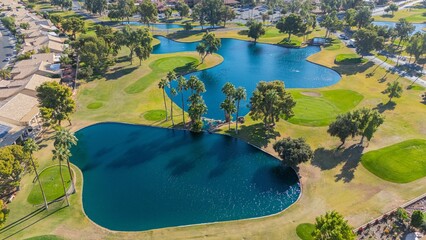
(348, 59)
(417, 218)
(402, 215)
(187, 26)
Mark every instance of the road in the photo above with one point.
(78, 9)
(6, 48)
(381, 10)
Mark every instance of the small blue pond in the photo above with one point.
(245, 64)
(140, 178)
(419, 26)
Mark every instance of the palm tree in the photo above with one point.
(173, 93)
(162, 85)
(60, 153)
(240, 94)
(182, 87)
(30, 146)
(229, 90)
(393, 89)
(5, 74)
(64, 139)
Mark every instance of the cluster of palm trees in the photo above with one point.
(197, 107)
(63, 141)
(231, 104)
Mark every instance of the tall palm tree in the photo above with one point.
(173, 93)
(30, 146)
(162, 85)
(240, 94)
(182, 86)
(65, 139)
(229, 90)
(60, 153)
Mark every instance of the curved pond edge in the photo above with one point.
(189, 225)
(274, 44)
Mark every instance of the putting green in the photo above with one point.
(159, 67)
(304, 231)
(401, 163)
(52, 185)
(155, 115)
(320, 108)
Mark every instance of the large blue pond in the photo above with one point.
(246, 63)
(140, 178)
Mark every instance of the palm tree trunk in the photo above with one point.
(165, 105)
(39, 183)
(236, 120)
(183, 111)
(71, 175)
(171, 112)
(63, 183)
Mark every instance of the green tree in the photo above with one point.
(212, 11)
(182, 87)
(403, 30)
(343, 127)
(367, 122)
(366, 41)
(256, 30)
(139, 39)
(182, 8)
(5, 74)
(227, 13)
(270, 101)
(64, 140)
(148, 12)
(30, 146)
(4, 212)
(65, 60)
(24, 25)
(331, 23)
(350, 17)
(197, 107)
(240, 94)
(402, 214)
(417, 218)
(293, 151)
(392, 8)
(416, 46)
(394, 90)
(13, 165)
(74, 25)
(228, 105)
(329, 6)
(57, 100)
(292, 24)
(168, 12)
(208, 45)
(332, 225)
(198, 14)
(164, 82)
(61, 154)
(95, 6)
(363, 17)
(171, 76)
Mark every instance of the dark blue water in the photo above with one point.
(419, 26)
(245, 64)
(139, 178)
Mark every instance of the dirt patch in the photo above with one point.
(312, 94)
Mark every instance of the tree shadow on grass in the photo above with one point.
(351, 69)
(187, 68)
(30, 219)
(184, 34)
(255, 134)
(382, 107)
(243, 32)
(327, 159)
(119, 73)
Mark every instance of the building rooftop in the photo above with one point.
(19, 110)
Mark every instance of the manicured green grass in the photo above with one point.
(413, 15)
(46, 237)
(159, 68)
(401, 163)
(52, 185)
(304, 231)
(417, 88)
(320, 108)
(94, 105)
(351, 58)
(335, 45)
(155, 115)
